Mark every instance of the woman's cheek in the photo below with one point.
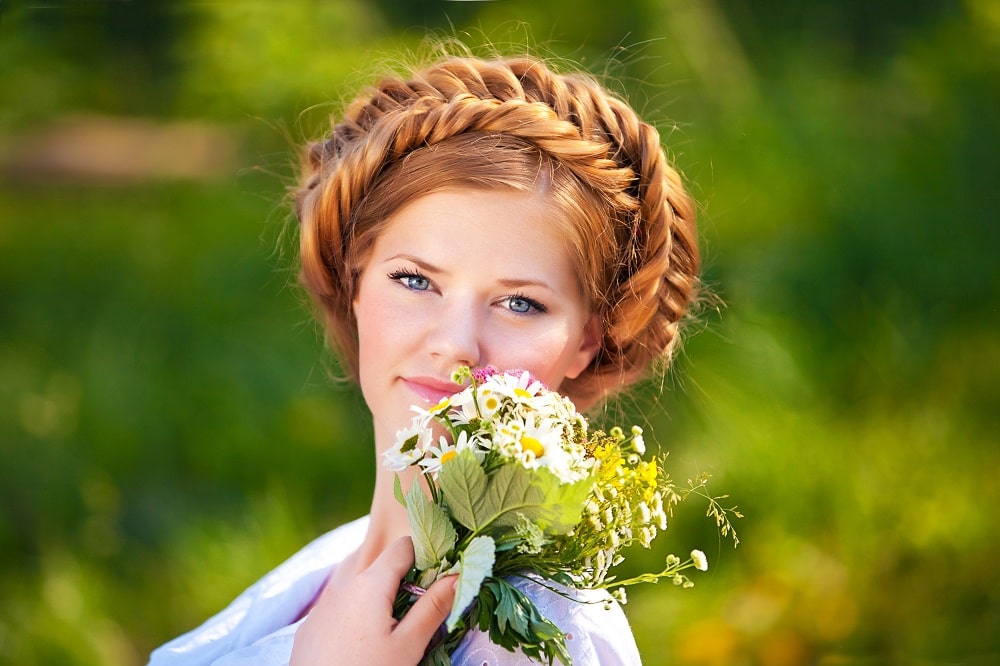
(542, 353)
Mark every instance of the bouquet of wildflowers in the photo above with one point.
(519, 486)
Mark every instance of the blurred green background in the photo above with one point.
(168, 427)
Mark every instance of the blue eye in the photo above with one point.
(411, 280)
(519, 305)
(416, 282)
(524, 305)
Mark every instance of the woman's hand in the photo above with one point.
(352, 621)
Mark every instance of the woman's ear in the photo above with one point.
(589, 345)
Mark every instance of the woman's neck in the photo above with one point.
(387, 519)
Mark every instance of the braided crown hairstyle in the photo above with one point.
(516, 124)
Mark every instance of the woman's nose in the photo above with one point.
(456, 335)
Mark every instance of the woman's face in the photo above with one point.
(466, 277)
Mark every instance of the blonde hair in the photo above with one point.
(510, 123)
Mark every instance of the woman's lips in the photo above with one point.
(430, 389)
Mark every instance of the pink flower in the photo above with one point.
(485, 372)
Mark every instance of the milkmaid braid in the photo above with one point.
(645, 272)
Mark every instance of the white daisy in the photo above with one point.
(411, 442)
(699, 559)
(519, 388)
(446, 450)
(541, 444)
(484, 404)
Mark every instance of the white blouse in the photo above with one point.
(258, 627)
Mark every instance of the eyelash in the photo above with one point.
(401, 274)
(534, 306)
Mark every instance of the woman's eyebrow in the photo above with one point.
(511, 283)
(424, 265)
(507, 283)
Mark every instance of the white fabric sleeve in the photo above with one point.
(258, 627)
(272, 650)
(595, 635)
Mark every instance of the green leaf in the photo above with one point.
(510, 612)
(514, 622)
(475, 564)
(538, 495)
(397, 490)
(432, 532)
(513, 490)
(438, 656)
(463, 484)
(565, 502)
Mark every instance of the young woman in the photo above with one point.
(477, 212)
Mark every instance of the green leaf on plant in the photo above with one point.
(397, 490)
(463, 484)
(538, 495)
(515, 623)
(432, 532)
(510, 612)
(475, 564)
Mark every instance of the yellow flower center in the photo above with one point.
(520, 392)
(448, 455)
(533, 445)
(440, 406)
(491, 403)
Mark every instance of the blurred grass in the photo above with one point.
(129, 407)
(169, 431)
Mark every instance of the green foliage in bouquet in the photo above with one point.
(520, 488)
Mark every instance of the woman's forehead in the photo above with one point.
(511, 233)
